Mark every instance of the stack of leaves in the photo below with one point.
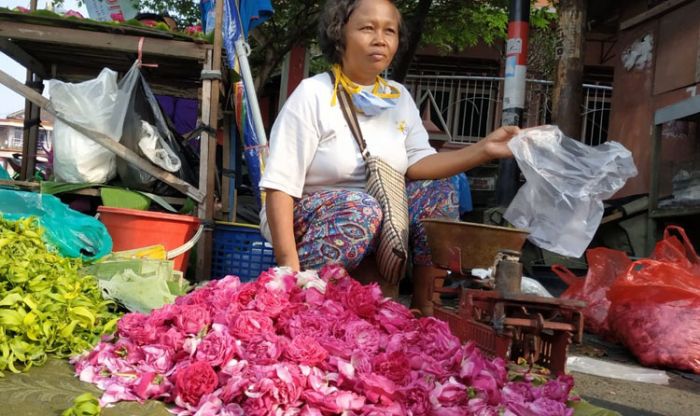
(46, 306)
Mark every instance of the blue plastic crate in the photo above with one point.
(240, 250)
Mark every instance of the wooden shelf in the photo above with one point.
(667, 212)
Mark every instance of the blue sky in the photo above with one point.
(9, 101)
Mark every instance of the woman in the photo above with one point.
(316, 209)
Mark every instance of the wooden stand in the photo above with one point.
(74, 51)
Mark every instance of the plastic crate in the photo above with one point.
(484, 336)
(240, 250)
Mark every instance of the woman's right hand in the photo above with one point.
(279, 207)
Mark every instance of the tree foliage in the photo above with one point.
(450, 25)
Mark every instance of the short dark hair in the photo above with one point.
(334, 17)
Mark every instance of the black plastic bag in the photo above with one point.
(148, 133)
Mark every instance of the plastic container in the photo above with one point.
(240, 250)
(132, 229)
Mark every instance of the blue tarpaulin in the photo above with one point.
(236, 25)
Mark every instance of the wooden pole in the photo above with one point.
(207, 167)
(117, 148)
(567, 97)
(32, 119)
(30, 135)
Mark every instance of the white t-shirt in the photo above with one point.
(312, 148)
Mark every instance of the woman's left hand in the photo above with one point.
(496, 143)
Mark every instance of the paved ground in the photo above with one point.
(680, 398)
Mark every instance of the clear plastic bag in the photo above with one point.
(99, 105)
(561, 204)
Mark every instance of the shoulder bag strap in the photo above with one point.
(351, 117)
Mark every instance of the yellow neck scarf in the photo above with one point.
(342, 80)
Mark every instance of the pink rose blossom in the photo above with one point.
(558, 389)
(197, 297)
(337, 347)
(417, 400)
(377, 388)
(450, 394)
(249, 324)
(270, 303)
(394, 317)
(235, 387)
(172, 338)
(137, 327)
(305, 344)
(363, 300)
(362, 362)
(305, 350)
(262, 349)
(195, 381)
(157, 358)
(436, 340)
(517, 392)
(336, 402)
(244, 297)
(152, 386)
(128, 351)
(193, 319)
(226, 283)
(364, 336)
(394, 366)
(217, 347)
(306, 323)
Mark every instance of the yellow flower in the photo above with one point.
(401, 126)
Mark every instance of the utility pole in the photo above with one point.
(567, 97)
(513, 92)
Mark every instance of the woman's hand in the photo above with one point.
(496, 143)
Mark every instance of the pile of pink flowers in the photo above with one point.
(305, 344)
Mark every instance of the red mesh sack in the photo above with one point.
(604, 265)
(656, 305)
(678, 250)
(655, 312)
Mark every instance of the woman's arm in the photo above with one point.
(279, 207)
(446, 164)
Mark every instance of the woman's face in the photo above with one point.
(371, 40)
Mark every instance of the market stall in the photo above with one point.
(74, 50)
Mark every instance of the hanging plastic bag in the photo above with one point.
(561, 202)
(655, 306)
(604, 266)
(150, 147)
(148, 133)
(99, 105)
(74, 234)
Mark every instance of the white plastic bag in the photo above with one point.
(561, 204)
(157, 150)
(99, 105)
(601, 368)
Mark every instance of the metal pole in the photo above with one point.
(253, 106)
(513, 92)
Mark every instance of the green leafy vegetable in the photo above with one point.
(46, 305)
(83, 405)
